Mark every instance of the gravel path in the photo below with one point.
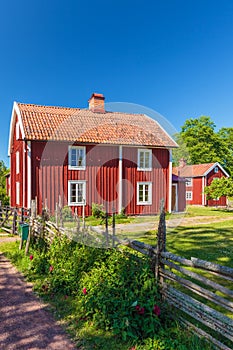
(24, 321)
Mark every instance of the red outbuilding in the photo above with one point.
(85, 156)
(197, 177)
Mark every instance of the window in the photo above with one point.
(76, 192)
(216, 170)
(189, 195)
(144, 159)
(144, 193)
(189, 181)
(17, 199)
(17, 162)
(77, 157)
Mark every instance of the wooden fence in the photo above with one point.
(10, 218)
(200, 291)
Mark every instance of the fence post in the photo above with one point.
(22, 214)
(60, 211)
(106, 226)
(161, 242)
(0, 210)
(14, 223)
(113, 227)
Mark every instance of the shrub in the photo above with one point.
(98, 211)
(67, 213)
(121, 295)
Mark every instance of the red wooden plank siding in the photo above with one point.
(158, 176)
(50, 176)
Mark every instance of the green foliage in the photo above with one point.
(67, 213)
(3, 196)
(119, 294)
(199, 143)
(219, 187)
(98, 211)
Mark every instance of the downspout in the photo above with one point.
(203, 194)
(29, 174)
(120, 181)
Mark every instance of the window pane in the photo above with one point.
(80, 193)
(73, 193)
(80, 156)
(140, 193)
(141, 162)
(73, 157)
(147, 160)
(146, 193)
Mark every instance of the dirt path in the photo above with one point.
(24, 321)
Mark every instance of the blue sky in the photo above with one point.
(172, 56)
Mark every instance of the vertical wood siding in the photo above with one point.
(50, 176)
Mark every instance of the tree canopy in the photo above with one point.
(200, 143)
(219, 187)
(3, 171)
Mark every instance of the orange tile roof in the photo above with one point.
(83, 125)
(192, 170)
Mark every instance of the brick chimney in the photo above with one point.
(182, 163)
(96, 103)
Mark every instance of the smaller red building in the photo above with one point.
(197, 177)
(178, 193)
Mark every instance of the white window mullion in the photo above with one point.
(77, 157)
(145, 159)
(76, 192)
(144, 193)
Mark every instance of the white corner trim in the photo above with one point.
(15, 112)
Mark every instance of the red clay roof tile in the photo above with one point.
(192, 170)
(83, 125)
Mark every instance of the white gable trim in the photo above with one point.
(213, 166)
(15, 112)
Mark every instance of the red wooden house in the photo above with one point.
(86, 156)
(197, 178)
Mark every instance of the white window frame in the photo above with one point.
(76, 182)
(189, 181)
(144, 202)
(216, 170)
(17, 193)
(77, 167)
(189, 195)
(144, 152)
(17, 162)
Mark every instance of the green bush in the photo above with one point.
(98, 211)
(120, 294)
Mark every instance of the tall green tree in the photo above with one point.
(3, 195)
(226, 135)
(199, 140)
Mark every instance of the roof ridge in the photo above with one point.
(47, 106)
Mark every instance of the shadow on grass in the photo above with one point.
(212, 244)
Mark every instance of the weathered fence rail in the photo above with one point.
(200, 290)
(10, 218)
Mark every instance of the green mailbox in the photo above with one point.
(23, 231)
